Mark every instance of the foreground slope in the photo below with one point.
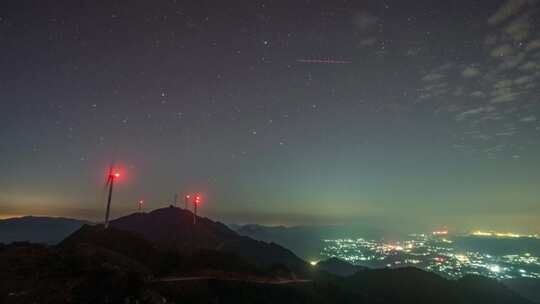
(412, 285)
(338, 267)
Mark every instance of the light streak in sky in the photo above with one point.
(324, 61)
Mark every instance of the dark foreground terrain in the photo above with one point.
(179, 262)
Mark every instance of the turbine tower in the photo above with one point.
(110, 182)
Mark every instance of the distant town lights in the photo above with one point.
(495, 268)
(432, 253)
(502, 234)
(440, 232)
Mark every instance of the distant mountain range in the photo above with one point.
(35, 229)
(306, 241)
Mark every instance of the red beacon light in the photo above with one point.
(196, 203)
(110, 182)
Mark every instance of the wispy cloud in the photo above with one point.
(503, 50)
(463, 115)
(364, 20)
(530, 66)
(524, 80)
(533, 45)
(470, 72)
(432, 77)
(478, 94)
(459, 91)
(503, 95)
(505, 83)
(507, 10)
(444, 67)
(499, 90)
(531, 118)
(510, 62)
(366, 42)
(505, 133)
(519, 29)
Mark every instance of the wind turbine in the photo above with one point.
(196, 203)
(110, 182)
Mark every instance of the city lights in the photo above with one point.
(433, 253)
(503, 234)
(440, 232)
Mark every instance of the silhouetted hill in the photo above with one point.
(127, 243)
(163, 261)
(338, 267)
(412, 285)
(48, 230)
(173, 228)
(529, 288)
(32, 273)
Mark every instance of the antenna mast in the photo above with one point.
(186, 201)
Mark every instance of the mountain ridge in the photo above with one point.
(173, 228)
(38, 229)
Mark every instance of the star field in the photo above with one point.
(281, 112)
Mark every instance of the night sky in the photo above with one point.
(399, 113)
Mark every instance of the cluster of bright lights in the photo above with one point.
(440, 232)
(503, 234)
(197, 198)
(433, 253)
